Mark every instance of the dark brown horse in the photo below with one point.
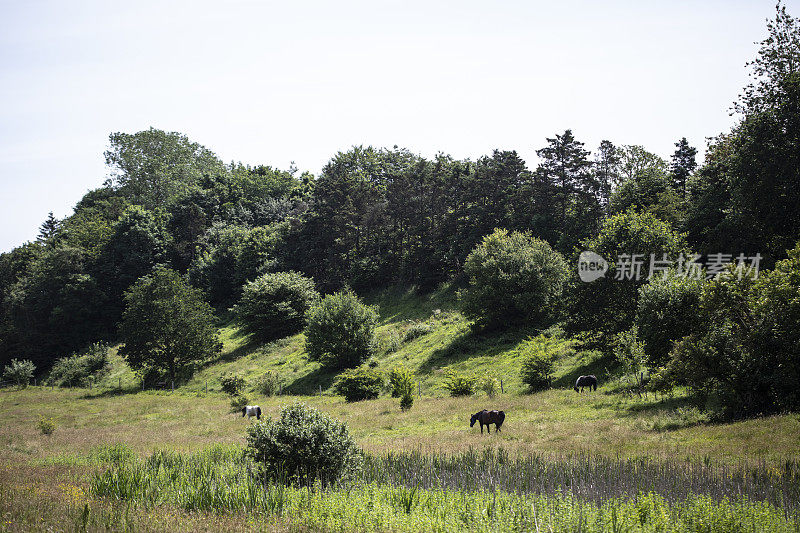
(488, 417)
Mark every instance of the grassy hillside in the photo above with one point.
(426, 333)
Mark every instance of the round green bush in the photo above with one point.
(303, 445)
(274, 305)
(513, 278)
(232, 384)
(459, 384)
(359, 384)
(340, 331)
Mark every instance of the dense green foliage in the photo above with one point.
(303, 445)
(356, 384)
(167, 325)
(79, 369)
(513, 278)
(608, 305)
(274, 305)
(340, 332)
(667, 312)
(744, 358)
(20, 372)
(401, 381)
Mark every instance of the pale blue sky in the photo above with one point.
(275, 82)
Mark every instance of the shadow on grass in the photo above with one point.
(240, 351)
(475, 344)
(403, 302)
(310, 383)
(110, 393)
(599, 365)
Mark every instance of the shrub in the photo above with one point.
(359, 384)
(274, 305)
(303, 445)
(400, 381)
(78, 369)
(406, 401)
(232, 384)
(667, 311)
(537, 370)
(269, 384)
(459, 384)
(340, 331)
(238, 402)
(46, 425)
(416, 330)
(629, 351)
(513, 278)
(490, 386)
(20, 372)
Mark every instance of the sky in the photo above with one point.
(280, 82)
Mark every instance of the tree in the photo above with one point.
(513, 279)
(48, 229)
(167, 325)
(151, 167)
(274, 305)
(682, 165)
(138, 241)
(635, 159)
(566, 169)
(607, 170)
(340, 331)
(607, 305)
(667, 311)
(650, 191)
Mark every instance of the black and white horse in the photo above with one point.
(586, 381)
(251, 411)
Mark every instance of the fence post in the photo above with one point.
(206, 386)
(173, 386)
(502, 391)
(320, 390)
(142, 383)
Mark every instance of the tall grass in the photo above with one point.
(479, 492)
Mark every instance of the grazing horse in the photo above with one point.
(251, 411)
(488, 417)
(586, 381)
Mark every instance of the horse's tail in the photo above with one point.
(501, 416)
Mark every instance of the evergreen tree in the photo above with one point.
(48, 229)
(682, 165)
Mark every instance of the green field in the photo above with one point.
(47, 481)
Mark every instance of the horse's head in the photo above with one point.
(473, 419)
(576, 388)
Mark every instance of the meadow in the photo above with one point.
(123, 459)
